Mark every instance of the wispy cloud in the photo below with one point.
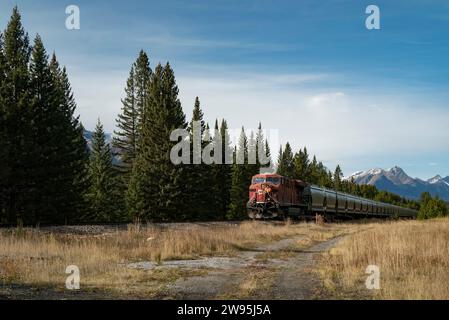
(172, 41)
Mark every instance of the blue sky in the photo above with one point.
(309, 69)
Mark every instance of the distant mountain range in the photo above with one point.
(88, 136)
(397, 181)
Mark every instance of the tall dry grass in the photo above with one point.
(37, 258)
(413, 257)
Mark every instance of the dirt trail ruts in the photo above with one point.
(293, 277)
(296, 280)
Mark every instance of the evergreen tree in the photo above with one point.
(199, 174)
(253, 165)
(157, 190)
(338, 175)
(285, 164)
(224, 175)
(101, 177)
(240, 183)
(125, 140)
(314, 175)
(268, 168)
(15, 112)
(48, 165)
(3, 137)
(129, 122)
(215, 181)
(260, 149)
(301, 164)
(72, 150)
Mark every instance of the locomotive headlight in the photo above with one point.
(268, 190)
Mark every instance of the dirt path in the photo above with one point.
(296, 280)
(289, 279)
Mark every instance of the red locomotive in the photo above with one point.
(272, 196)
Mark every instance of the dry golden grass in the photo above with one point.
(413, 257)
(39, 259)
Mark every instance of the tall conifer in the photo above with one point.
(239, 189)
(158, 188)
(101, 179)
(16, 118)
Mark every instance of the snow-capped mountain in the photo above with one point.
(397, 181)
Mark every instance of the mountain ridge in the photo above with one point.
(396, 180)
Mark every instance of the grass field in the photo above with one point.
(39, 259)
(412, 256)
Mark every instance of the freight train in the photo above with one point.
(274, 196)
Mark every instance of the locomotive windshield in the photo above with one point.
(258, 180)
(272, 180)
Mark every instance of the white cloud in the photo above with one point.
(338, 125)
(168, 40)
(335, 124)
(98, 96)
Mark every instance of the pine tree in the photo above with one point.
(199, 173)
(224, 175)
(285, 164)
(338, 175)
(3, 137)
(49, 123)
(157, 188)
(240, 184)
(129, 122)
(16, 122)
(253, 165)
(263, 152)
(314, 175)
(125, 140)
(301, 163)
(101, 179)
(73, 149)
(268, 168)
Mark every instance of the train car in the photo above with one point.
(275, 196)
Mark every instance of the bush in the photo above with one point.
(432, 208)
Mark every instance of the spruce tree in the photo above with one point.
(224, 175)
(301, 163)
(49, 121)
(73, 149)
(16, 121)
(253, 165)
(101, 178)
(285, 164)
(129, 122)
(3, 137)
(338, 175)
(314, 175)
(125, 139)
(199, 173)
(264, 161)
(240, 184)
(268, 168)
(157, 190)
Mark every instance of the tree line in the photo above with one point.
(299, 166)
(43, 153)
(49, 175)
